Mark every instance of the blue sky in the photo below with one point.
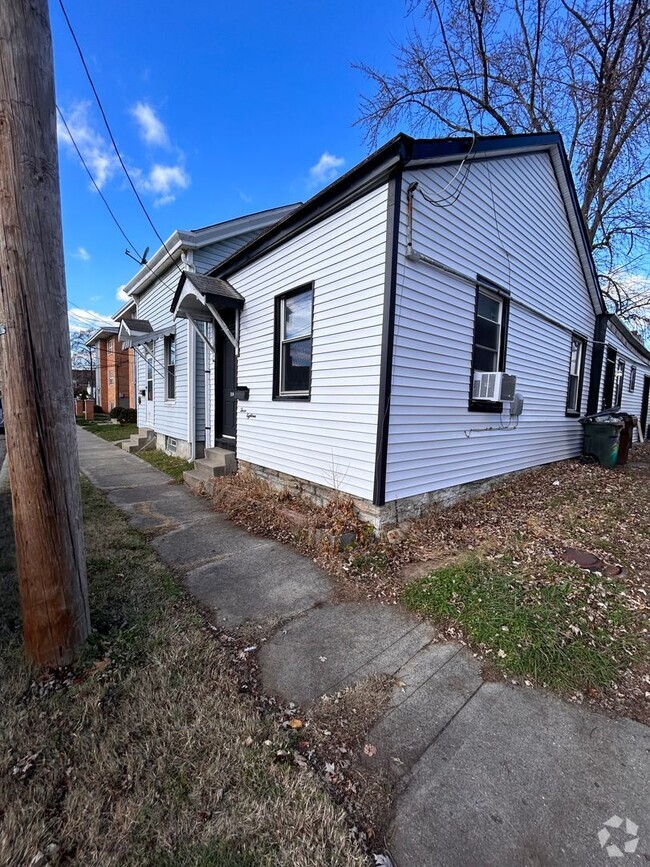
(219, 109)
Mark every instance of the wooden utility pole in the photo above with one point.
(35, 345)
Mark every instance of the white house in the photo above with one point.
(625, 380)
(423, 325)
(172, 369)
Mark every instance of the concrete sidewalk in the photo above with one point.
(485, 774)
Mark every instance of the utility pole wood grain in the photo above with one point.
(35, 350)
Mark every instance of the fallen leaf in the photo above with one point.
(295, 724)
(370, 750)
(501, 654)
(248, 742)
(99, 665)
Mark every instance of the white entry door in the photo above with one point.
(149, 395)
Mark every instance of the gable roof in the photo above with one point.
(100, 334)
(403, 152)
(181, 241)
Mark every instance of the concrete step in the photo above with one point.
(142, 439)
(208, 471)
(197, 483)
(217, 462)
(221, 458)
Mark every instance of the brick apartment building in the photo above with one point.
(115, 371)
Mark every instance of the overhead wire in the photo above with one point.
(112, 137)
(106, 203)
(450, 199)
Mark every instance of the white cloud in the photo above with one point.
(81, 320)
(152, 129)
(95, 149)
(326, 169)
(82, 253)
(120, 294)
(164, 182)
(243, 196)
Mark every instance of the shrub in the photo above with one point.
(127, 416)
(115, 412)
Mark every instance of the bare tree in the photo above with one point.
(83, 357)
(581, 67)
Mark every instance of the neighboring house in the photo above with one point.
(356, 345)
(172, 370)
(83, 380)
(625, 380)
(115, 369)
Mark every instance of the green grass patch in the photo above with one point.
(110, 432)
(170, 464)
(564, 627)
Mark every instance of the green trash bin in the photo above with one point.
(602, 439)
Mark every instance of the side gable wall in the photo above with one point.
(509, 225)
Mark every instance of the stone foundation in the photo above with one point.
(391, 514)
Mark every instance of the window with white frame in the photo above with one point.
(632, 378)
(618, 382)
(293, 343)
(111, 345)
(170, 367)
(576, 374)
(149, 376)
(110, 377)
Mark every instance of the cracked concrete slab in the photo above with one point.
(520, 777)
(335, 645)
(435, 690)
(258, 584)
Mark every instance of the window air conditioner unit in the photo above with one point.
(493, 387)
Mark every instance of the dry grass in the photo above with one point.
(146, 752)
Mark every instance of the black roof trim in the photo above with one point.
(631, 338)
(377, 168)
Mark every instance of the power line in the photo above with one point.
(110, 210)
(112, 137)
(94, 182)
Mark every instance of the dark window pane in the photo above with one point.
(296, 365)
(488, 307)
(485, 360)
(171, 382)
(297, 315)
(572, 398)
(487, 334)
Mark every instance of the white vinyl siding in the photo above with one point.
(630, 400)
(170, 418)
(212, 255)
(521, 241)
(329, 439)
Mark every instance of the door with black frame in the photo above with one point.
(610, 378)
(226, 382)
(644, 405)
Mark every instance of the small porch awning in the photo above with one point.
(136, 332)
(198, 295)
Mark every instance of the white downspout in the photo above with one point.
(187, 258)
